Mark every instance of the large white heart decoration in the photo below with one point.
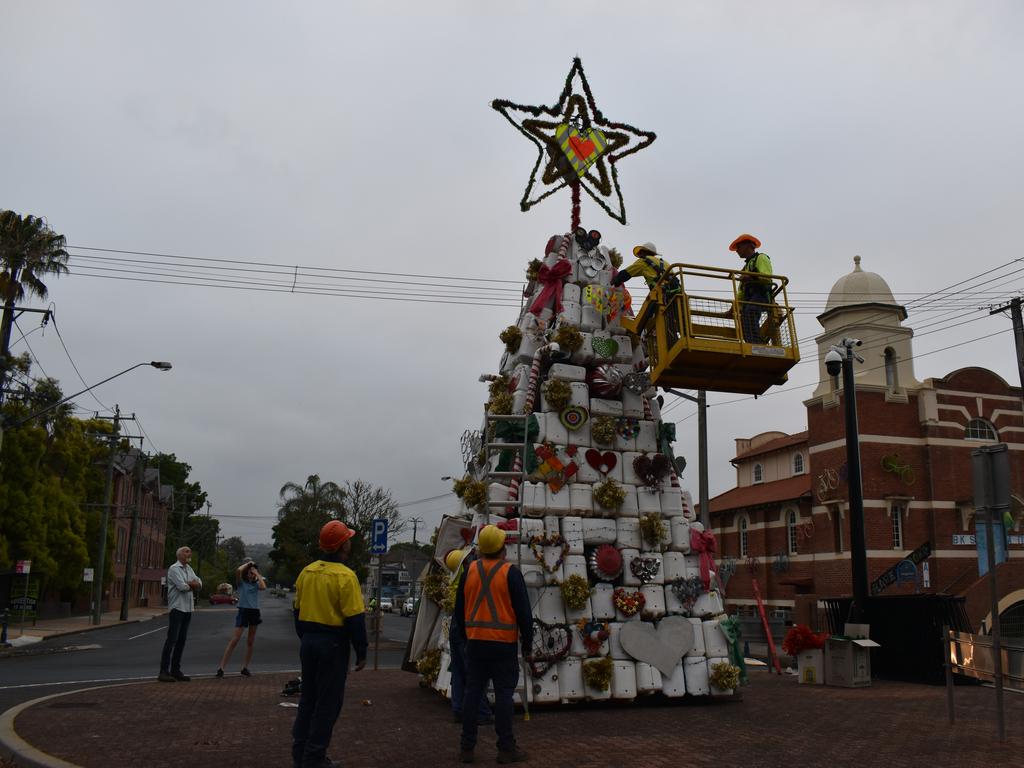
(662, 646)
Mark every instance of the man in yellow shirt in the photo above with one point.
(755, 293)
(650, 266)
(329, 617)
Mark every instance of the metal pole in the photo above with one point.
(97, 608)
(24, 605)
(946, 651)
(702, 449)
(129, 562)
(858, 545)
(379, 613)
(997, 649)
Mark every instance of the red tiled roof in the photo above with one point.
(762, 493)
(774, 445)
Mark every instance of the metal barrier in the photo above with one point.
(974, 656)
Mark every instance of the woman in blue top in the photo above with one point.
(250, 584)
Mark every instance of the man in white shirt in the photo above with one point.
(182, 584)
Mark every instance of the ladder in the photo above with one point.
(517, 475)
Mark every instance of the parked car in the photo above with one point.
(386, 606)
(219, 598)
(409, 606)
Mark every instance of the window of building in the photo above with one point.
(979, 429)
(837, 528)
(896, 511)
(758, 473)
(798, 463)
(743, 536)
(791, 523)
(121, 540)
(891, 377)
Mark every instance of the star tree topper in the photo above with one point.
(546, 128)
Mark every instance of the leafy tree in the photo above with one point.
(363, 504)
(302, 510)
(233, 549)
(187, 499)
(29, 250)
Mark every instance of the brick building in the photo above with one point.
(786, 523)
(137, 491)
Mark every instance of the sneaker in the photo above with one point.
(245, 672)
(180, 676)
(466, 756)
(220, 673)
(514, 756)
(167, 677)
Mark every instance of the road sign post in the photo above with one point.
(379, 547)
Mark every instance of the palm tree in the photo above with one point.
(319, 499)
(29, 249)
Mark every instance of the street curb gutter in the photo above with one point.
(30, 650)
(14, 747)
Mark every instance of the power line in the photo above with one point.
(56, 327)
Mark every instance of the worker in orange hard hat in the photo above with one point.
(755, 293)
(329, 617)
(492, 614)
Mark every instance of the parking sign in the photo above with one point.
(379, 539)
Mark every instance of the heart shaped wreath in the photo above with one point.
(537, 543)
(652, 469)
(628, 603)
(645, 568)
(551, 644)
(687, 590)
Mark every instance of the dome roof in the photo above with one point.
(859, 287)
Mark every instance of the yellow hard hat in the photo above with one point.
(492, 538)
(454, 559)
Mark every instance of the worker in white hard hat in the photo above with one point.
(650, 266)
(492, 611)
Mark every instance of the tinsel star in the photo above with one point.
(575, 107)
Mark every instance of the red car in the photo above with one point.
(219, 598)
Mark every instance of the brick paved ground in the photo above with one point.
(238, 722)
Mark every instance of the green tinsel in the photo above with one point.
(653, 528)
(568, 337)
(511, 337)
(597, 674)
(576, 592)
(558, 393)
(429, 664)
(603, 430)
(610, 494)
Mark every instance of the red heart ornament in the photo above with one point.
(602, 462)
(583, 147)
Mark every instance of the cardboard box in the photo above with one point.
(810, 665)
(848, 659)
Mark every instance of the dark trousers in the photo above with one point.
(754, 304)
(324, 658)
(499, 664)
(460, 669)
(177, 633)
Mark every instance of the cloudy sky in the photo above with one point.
(342, 137)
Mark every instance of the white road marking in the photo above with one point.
(116, 680)
(158, 629)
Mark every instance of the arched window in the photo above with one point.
(758, 473)
(743, 536)
(979, 429)
(791, 523)
(891, 378)
(798, 463)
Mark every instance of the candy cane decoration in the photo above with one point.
(531, 396)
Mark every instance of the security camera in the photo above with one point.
(833, 363)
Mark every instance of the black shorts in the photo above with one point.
(248, 617)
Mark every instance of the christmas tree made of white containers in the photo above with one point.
(653, 608)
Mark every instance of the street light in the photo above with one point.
(840, 360)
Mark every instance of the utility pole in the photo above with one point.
(1014, 306)
(140, 471)
(6, 326)
(415, 526)
(702, 450)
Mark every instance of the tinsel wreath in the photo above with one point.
(429, 664)
(597, 674)
(540, 123)
(603, 430)
(511, 337)
(575, 592)
(558, 393)
(725, 676)
(568, 337)
(609, 494)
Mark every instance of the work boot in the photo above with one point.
(166, 677)
(515, 755)
(245, 672)
(180, 676)
(466, 756)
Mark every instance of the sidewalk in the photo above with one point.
(47, 628)
(389, 720)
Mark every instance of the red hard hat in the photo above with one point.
(334, 534)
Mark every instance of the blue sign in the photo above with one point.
(379, 537)
(981, 540)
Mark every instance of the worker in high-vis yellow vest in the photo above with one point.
(492, 612)
(755, 293)
(329, 617)
(457, 560)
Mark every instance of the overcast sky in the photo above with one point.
(340, 136)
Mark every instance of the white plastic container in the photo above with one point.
(615, 649)
(708, 604)
(715, 643)
(674, 565)
(557, 501)
(671, 501)
(632, 404)
(550, 607)
(647, 440)
(625, 351)
(590, 318)
(628, 532)
(698, 639)
(601, 603)
(629, 506)
(674, 685)
(648, 679)
(628, 578)
(444, 675)
(624, 680)
(552, 525)
(597, 530)
(603, 407)
(567, 372)
(570, 680)
(570, 314)
(585, 354)
(581, 499)
(572, 532)
(555, 430)
(574, 565)
(534, 501)
(680, 535)
(695, 669)
(648, 501)
(654, 601)
(715, 691)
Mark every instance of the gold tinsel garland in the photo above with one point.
(558, 393)
(653, 528)
(725, 676)
(500, 403)
(568, 338)
(533, 269)
(429, 664)
(602, 429)
(610, 494)
(616, 257)
(598, 673)
(576, 592)
(511, 337)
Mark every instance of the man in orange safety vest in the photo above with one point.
(492, 612)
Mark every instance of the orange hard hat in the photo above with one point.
(334, 534)
(743, 237)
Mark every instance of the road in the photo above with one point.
(132, 652)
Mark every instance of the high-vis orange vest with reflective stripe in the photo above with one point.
(488, 604)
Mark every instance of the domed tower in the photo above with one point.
(861, 306)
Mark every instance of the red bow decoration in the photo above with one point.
(704, 544)
(553, 279)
